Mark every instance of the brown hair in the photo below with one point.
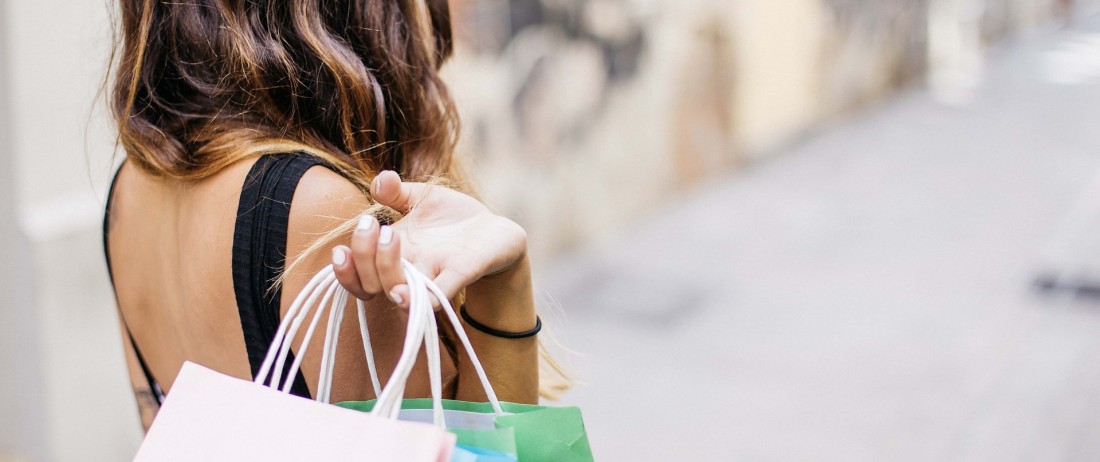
(202, 84)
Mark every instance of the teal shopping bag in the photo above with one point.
(471, 454)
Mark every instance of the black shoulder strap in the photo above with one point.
(153, 387)
(259, 251)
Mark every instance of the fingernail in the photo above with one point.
(365, 223)
(396, 296)
(377, 185)
(338, 257)
(385, 235)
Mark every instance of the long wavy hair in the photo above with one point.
(201, 84)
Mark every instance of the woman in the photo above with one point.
(266, 139)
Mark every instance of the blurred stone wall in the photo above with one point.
(581, 115)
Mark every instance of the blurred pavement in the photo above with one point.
(865, 296)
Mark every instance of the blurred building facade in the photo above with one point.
(579, 117)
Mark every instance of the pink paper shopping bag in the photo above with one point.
(213, 417)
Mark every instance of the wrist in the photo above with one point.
(504, 300)
(477, 325)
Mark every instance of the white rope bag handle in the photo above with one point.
(421, 329)
(324, 282)
(389, 402)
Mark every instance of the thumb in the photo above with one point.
(388, 189)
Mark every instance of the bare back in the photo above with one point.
(171, 250)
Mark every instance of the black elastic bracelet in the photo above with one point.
(499, 333)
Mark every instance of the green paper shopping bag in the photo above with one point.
(539, 433)
(532, 433)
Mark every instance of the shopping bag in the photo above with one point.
(473, 429)
(472, 454)
(531, 433)
(538, 433)
(209, 416)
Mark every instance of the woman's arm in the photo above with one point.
(505, 302)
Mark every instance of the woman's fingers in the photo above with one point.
(372, 265)
(352, 275)
(364, 244)
(388, 189)
(345, 268)
(354, 266)
(388, 264)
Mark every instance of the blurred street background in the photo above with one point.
(763, 230)
(866, 294)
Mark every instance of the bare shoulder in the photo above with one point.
(324, 199)
(323, 212)
(323, 202)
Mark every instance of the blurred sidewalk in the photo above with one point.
(865, 296)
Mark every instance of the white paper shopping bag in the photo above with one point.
(209, 416)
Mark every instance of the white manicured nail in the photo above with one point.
(385, 236)
(396, 297)
(365, 223)
(338, 257)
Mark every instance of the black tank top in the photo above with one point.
(259, 255)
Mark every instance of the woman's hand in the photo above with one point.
(455, 240)
(450, 237)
